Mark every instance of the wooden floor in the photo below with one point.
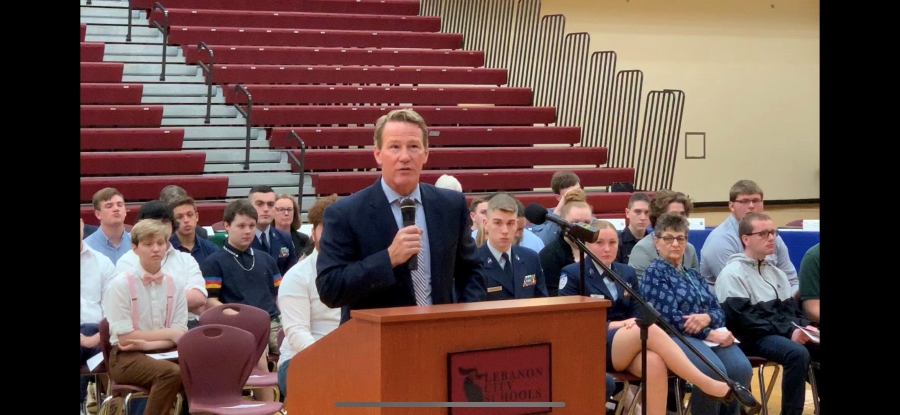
(775, 398)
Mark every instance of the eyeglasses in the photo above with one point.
(284, 210)
(669, 239)
(765, 233)
(748, 201)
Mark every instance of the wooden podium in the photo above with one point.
(401, 354)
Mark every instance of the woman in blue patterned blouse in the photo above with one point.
(684, 300)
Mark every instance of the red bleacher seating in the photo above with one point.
(338, 94)
(92, 51)
(140, 189)
(298, 20)
(121, 115)
(302, 55)
(474, 180)
(317, 115)
(439, 136)
(83, 31)
(131, 139)
(460, 157)
(121, 163)
(406, 75)
(208, 212)
(102, 72)
(378, 7)
(109, 93)
(192, 35)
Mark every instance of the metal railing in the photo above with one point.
(165, 33)
(128, 36)
(208, 72)
(300, 162)
(246, 114)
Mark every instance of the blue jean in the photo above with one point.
(282, 377)
(729, 360)
(795, 359)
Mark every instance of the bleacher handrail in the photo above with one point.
(246, 114)
(128, 35)
(300, 162)
(165, 33)
(208, 71)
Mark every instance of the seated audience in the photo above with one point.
(638, 215)
(96, 273)
(242, 274)
(168, 195)
(623, 339)
(477, 212)
(278, 244)
(561, 183)
(186, 239)
(112, 240)
(687, 304)
(562, 251)
(156, 325)
(287, 220)
(644, 252)
(761, 310)
(512, 271)
(181, 266)
(304, 318)
(744, 197)
(524, 237)
(809, 284)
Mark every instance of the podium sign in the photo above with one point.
(507, 374)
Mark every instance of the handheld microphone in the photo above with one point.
(538, 214)
(408, 213)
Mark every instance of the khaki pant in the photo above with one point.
(274, 328)
(162, 377)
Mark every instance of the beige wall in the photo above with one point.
(750, 73)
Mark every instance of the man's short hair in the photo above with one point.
(171, 192)
(181, 201)
(503, 202)
(563, 179)
(148, 228)
(317, 211)
(744, 187)
(401, 115)
(447, 181)
(638, 197)
(103, 195)
(239, 207)
(260, 189)
(475, 202)
(520, 206)
(661, 201)
(670, 222)
(745, 227)
(155, 209)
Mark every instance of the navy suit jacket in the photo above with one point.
(623, 308)
(281, 247)
(526, 262)
(354, 268)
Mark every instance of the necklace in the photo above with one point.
(235, 256)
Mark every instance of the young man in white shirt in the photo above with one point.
(96, 273)
(304, 318)
(111, 239)
(147, 312)
(180, 265)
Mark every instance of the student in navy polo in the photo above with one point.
(512, 271)
(186, 239)
(279, 244)
(242, 274)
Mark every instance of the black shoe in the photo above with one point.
(742, 394)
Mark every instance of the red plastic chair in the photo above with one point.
(216, 361)
(257, 322)
(117, 389)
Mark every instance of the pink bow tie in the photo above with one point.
(147, 278)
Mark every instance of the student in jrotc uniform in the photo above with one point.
(512, 271)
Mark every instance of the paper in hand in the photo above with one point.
(813, 335)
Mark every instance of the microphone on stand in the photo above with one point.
(408, 213)
(537, 215)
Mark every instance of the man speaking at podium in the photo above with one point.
(369, 259)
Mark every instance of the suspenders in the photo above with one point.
(170, 293)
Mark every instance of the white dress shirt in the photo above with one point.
(97, 272)
(180, 265)
(304, 317)
(151, 303)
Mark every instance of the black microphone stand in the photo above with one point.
(648, 316)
